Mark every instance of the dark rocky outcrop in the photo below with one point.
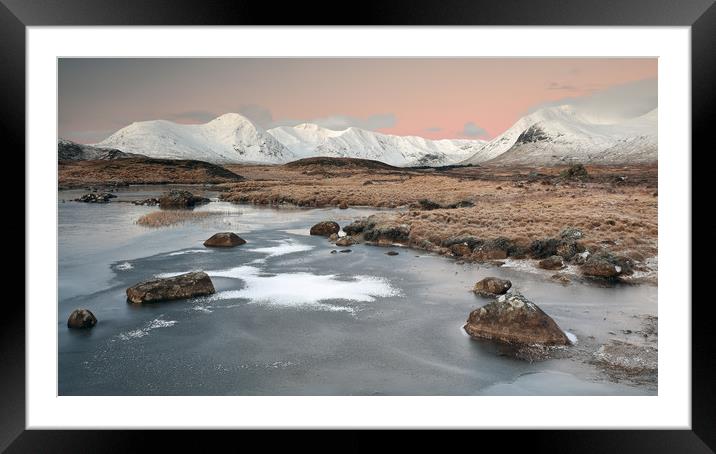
(72, 151)
(345, 241)
(606, 265)
(513, 319)
(177, 199)
(553, 262)
(96, 197)
(188, 285)
(81, 319)
(325, 228)
(571, 233)
(355, 227)
(575, 172)
(391, 253)
(495, 249)
(541, 249)
(492, 286)
(224, 239)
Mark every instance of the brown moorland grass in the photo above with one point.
(172, 217)
(616, 207)
(73, 174)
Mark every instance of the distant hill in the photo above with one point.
(71, 151)
(141, 170)
(344, 163)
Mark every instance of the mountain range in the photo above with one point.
(551, 135)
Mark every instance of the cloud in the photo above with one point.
(88, 136)
(371, 122)
(472, 130)
(560, 86)
(264, 118)
(193, 116)
(615, 103)
(433, 129)
(259, 115)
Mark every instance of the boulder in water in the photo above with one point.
(81, 319)
(513, 319)
(492, 286)
(188, 285)
(224, 239)
(325, 228)
(180, 199)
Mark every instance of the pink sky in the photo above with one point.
(433, 98)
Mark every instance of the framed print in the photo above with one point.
(448, 219)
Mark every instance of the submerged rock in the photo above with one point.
(345, 251)
(188, 285)
(513, 319)
(492, 286)
(551, 263)
(81, 319)
(325, 228)
(391, 253)
(628, 358)
(180, 199)
(224, 239)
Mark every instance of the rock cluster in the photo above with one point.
(96, 197)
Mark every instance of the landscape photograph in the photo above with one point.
(357, 226)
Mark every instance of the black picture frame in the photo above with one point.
(700, 15)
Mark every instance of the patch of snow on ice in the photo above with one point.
(141, 332)
(190, 251)
(284, 247)
(571, 337)
(304, 290)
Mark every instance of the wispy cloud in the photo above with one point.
(622, 101)
(264, 118)
(193, 116)
(471, 129)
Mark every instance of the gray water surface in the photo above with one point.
(290, 318)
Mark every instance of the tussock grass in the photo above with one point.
(173, 217)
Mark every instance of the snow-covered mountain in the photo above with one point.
(550, 135)
(562, 134)
(306, 140)
(230, 138)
